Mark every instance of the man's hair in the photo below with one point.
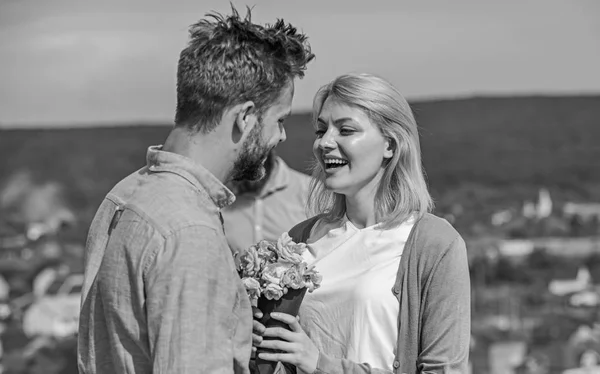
(230, 60)
(402, 190)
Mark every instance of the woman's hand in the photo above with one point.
(258, 329)
(299, 350)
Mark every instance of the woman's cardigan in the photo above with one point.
(433, 289)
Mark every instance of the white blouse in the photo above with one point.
(354, 314)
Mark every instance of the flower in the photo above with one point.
(270, 269)
(273, 272)
(267, 250)
(252, 288)
(250, 262)
(312, 279)
(293, 278)
(273, 291)
(290, 251)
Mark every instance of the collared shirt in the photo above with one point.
(161, 294)
(267, 214)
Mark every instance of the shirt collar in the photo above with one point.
(279, 178)
(161, 161)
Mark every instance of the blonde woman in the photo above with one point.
(395, 295)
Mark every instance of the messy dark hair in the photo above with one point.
(230, 60)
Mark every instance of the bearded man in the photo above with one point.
(161, 294)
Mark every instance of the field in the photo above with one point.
(482, 153)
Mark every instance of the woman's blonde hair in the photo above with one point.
(402, 190)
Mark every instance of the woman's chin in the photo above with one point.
(335, 187)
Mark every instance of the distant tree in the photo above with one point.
(593, 265)
(508, 271)
(592, 226)
(539, 259)
(575, 225)
(541, 265)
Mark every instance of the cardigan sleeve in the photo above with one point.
(445, 318)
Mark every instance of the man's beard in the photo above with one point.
(250, 163)
(256, 186)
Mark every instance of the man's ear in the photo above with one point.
(245, 118)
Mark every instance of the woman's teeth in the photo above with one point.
(334, 163)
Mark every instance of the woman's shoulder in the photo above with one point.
(432, 222)
(436, 234)
(301, 232)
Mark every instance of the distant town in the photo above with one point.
(535, 273)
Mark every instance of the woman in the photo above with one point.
(395, 295)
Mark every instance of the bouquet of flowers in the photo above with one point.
(276, 279)
(272, 269)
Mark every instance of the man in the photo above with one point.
(267, 208)
(161, 294)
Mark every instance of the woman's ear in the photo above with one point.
(389, 149)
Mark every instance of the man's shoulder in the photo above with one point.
(293, 175)
(165, 201)
(298, 184)
(299, 176)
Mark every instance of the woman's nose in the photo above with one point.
(327, 141)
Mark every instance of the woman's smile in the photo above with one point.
(350, 148)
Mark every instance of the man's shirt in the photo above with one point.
(161, 293)
(268, 213)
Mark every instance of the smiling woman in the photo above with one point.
(395, 290)
(367, 127)
(351, 148)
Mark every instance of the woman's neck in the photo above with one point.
(360, 208)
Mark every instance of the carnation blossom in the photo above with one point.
(270, 269)
(273, 291)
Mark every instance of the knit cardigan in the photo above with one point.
(433, 289)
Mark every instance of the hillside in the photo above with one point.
(480, 152)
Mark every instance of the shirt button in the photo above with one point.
(396, 364)
(395, 290)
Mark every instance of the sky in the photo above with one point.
(77, 62)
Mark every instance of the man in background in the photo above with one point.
(267, 208)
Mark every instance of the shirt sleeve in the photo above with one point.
(190, 298)
(446, 317)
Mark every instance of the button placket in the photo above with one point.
(258, 219)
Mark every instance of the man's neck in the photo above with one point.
(207, 150)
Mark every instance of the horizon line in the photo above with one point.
(168, 122)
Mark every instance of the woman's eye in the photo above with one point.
(346, 131)
(319, 133)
